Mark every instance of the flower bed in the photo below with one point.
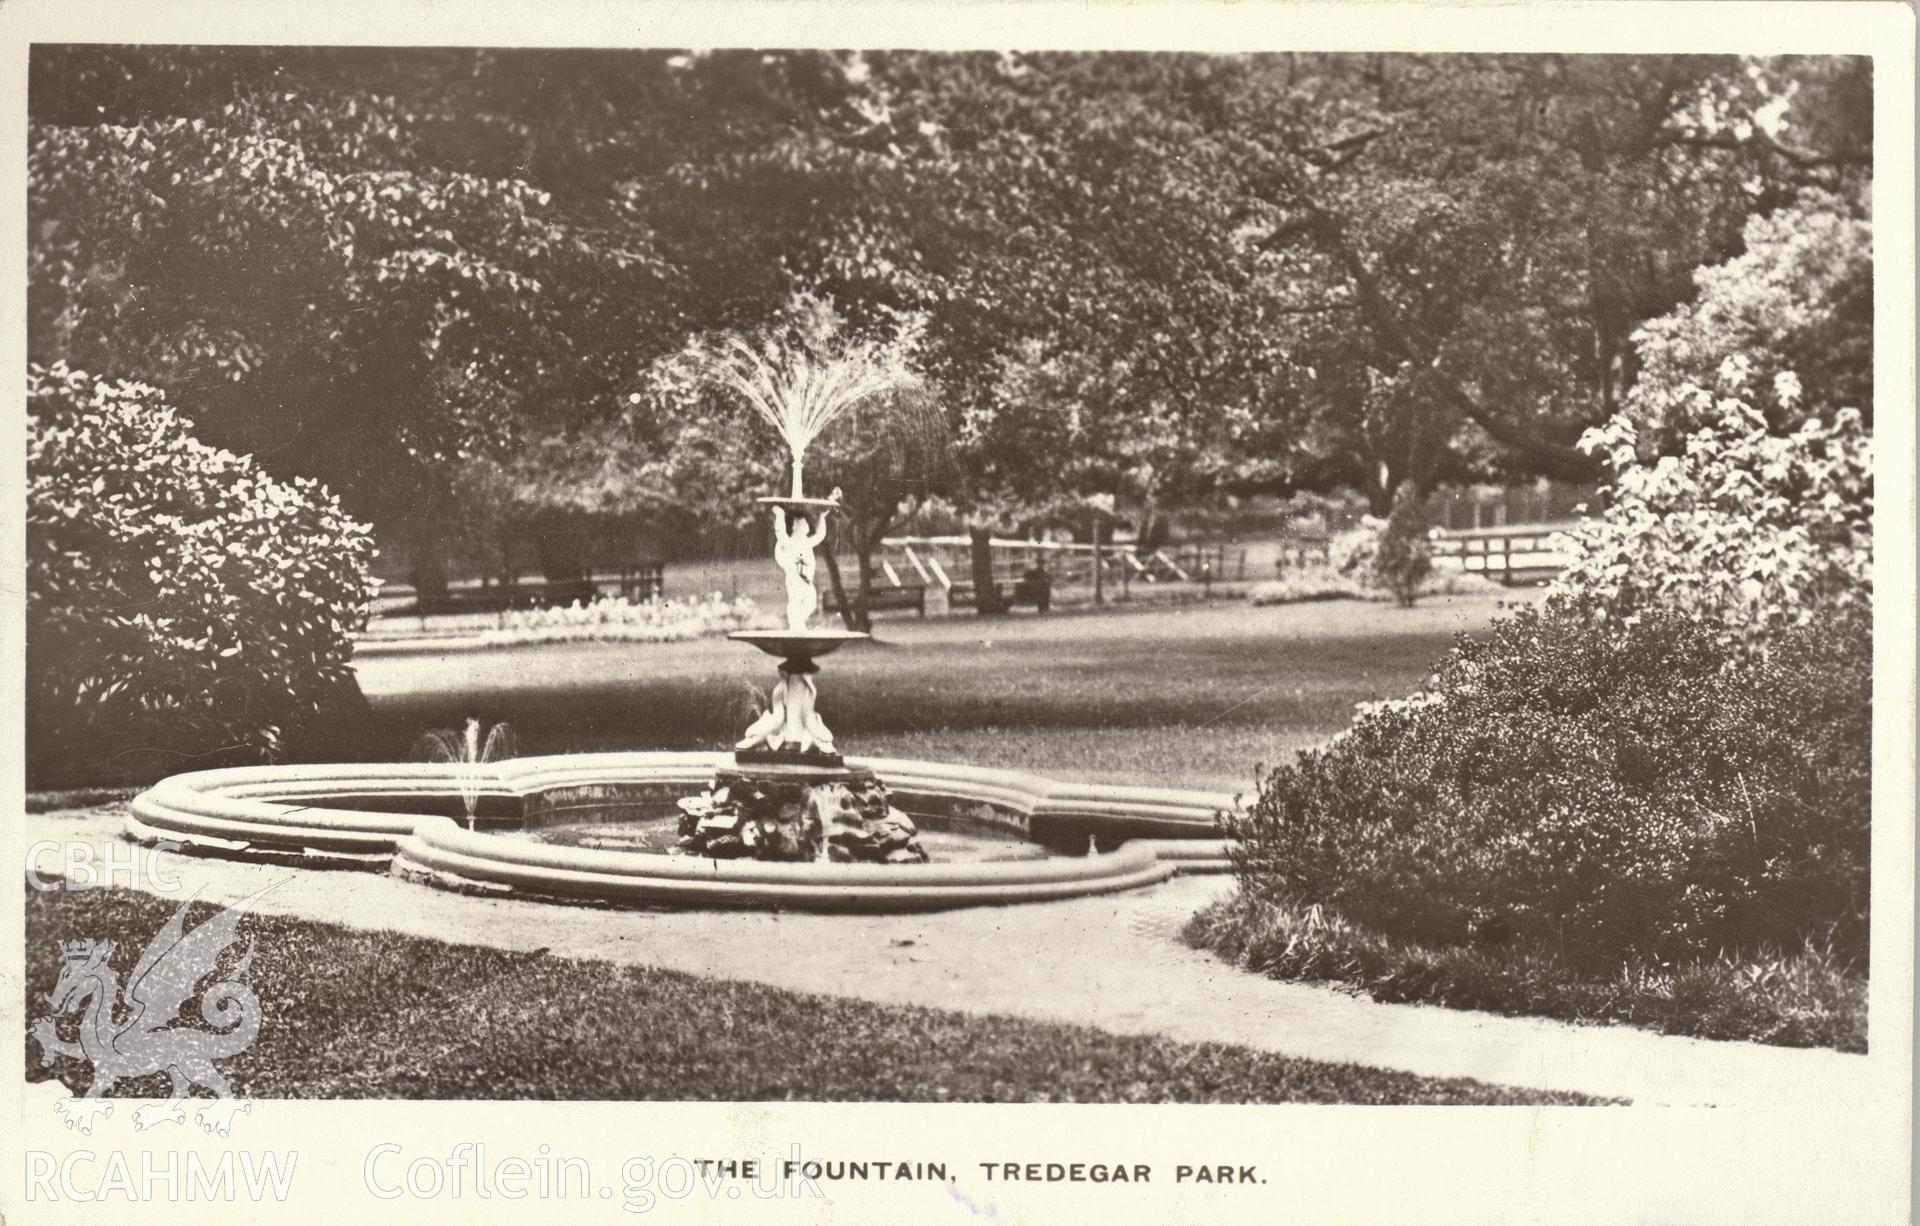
(1321, 582)
(608, 619)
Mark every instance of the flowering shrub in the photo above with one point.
(1353, 552)
(1596, 787)
(179, 599)
(1753, 532)
(1374, 560)
(1798, 299)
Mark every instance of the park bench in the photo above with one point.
(1022, 591)
(642, 580)
(638, 581)
(500, 597)
(905, 596)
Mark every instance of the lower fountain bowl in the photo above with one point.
(798, 644)
(998, 837)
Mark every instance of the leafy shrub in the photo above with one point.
(1403, 559)
(1798, 299)
(1595, 787)
(1753, 532)
(179, 599)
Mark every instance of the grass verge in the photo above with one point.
(77, 798)
(352, 1014)
(1806, 1000)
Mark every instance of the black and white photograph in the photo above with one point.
(963, 617)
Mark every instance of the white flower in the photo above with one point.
(1786, 388)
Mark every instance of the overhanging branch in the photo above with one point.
(1554, 458)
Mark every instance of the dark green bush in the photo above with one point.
(1405, 558)
(183, 607)
(1595, 789)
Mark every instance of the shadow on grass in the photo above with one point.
(352, 1014)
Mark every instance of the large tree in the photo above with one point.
(376, 267)
(1472, 240)
(1145, 277)
(1408, 266)
(316, 252)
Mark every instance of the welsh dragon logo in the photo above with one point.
(144, 1040)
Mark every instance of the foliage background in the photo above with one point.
(1153, 278)
(449, 284)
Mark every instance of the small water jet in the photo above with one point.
(468, 750)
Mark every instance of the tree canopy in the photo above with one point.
(422, 275)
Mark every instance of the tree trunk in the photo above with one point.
(562, 548)
(986, 597)
(509, 567)
(1417, 464)
(863, 564)
(1156, 530)
(1380, 490)
(849, 617)
(1099, 567)
(865, 541)
(427, 556)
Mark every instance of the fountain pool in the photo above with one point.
(601, 827)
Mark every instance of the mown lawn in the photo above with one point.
(1194, 696)
(352, 1014)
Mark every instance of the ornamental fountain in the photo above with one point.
(789, 794)
(784, 821)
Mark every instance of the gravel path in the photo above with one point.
(1112, 962)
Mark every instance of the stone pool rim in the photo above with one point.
(269, 812)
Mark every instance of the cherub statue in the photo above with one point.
(794, 540)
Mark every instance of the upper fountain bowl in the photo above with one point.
(799, 504)
(798, 644)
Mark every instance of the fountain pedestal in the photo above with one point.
(790, 795)
(791, 731)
